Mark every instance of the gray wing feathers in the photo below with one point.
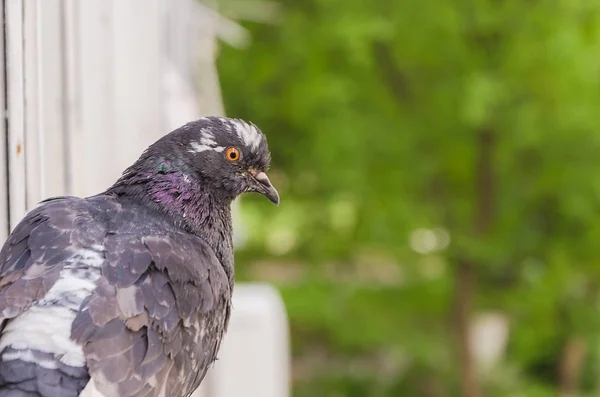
(33, 255)
(154, 319)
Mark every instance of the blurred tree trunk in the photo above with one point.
(570, 366)
(465, 286)
(464, 293)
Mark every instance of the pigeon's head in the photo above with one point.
(227, 156)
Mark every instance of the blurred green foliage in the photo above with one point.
(375, 113)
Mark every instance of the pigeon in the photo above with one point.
(128, 292)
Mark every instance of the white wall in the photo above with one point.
(88, 92)
(3, 148)
(90, 84)
(254, 357)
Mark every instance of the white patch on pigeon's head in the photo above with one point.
(207, 138)
(248, 133)
(199, 147)
(245, 133)
(207, 142)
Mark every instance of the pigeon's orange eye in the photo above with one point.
(232, 154)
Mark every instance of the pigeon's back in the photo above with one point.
(101, 299)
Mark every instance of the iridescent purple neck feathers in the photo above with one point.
(166, 186)
(175, 193)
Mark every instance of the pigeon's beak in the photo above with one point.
(264, 187)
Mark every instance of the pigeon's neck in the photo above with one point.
(189, 204)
